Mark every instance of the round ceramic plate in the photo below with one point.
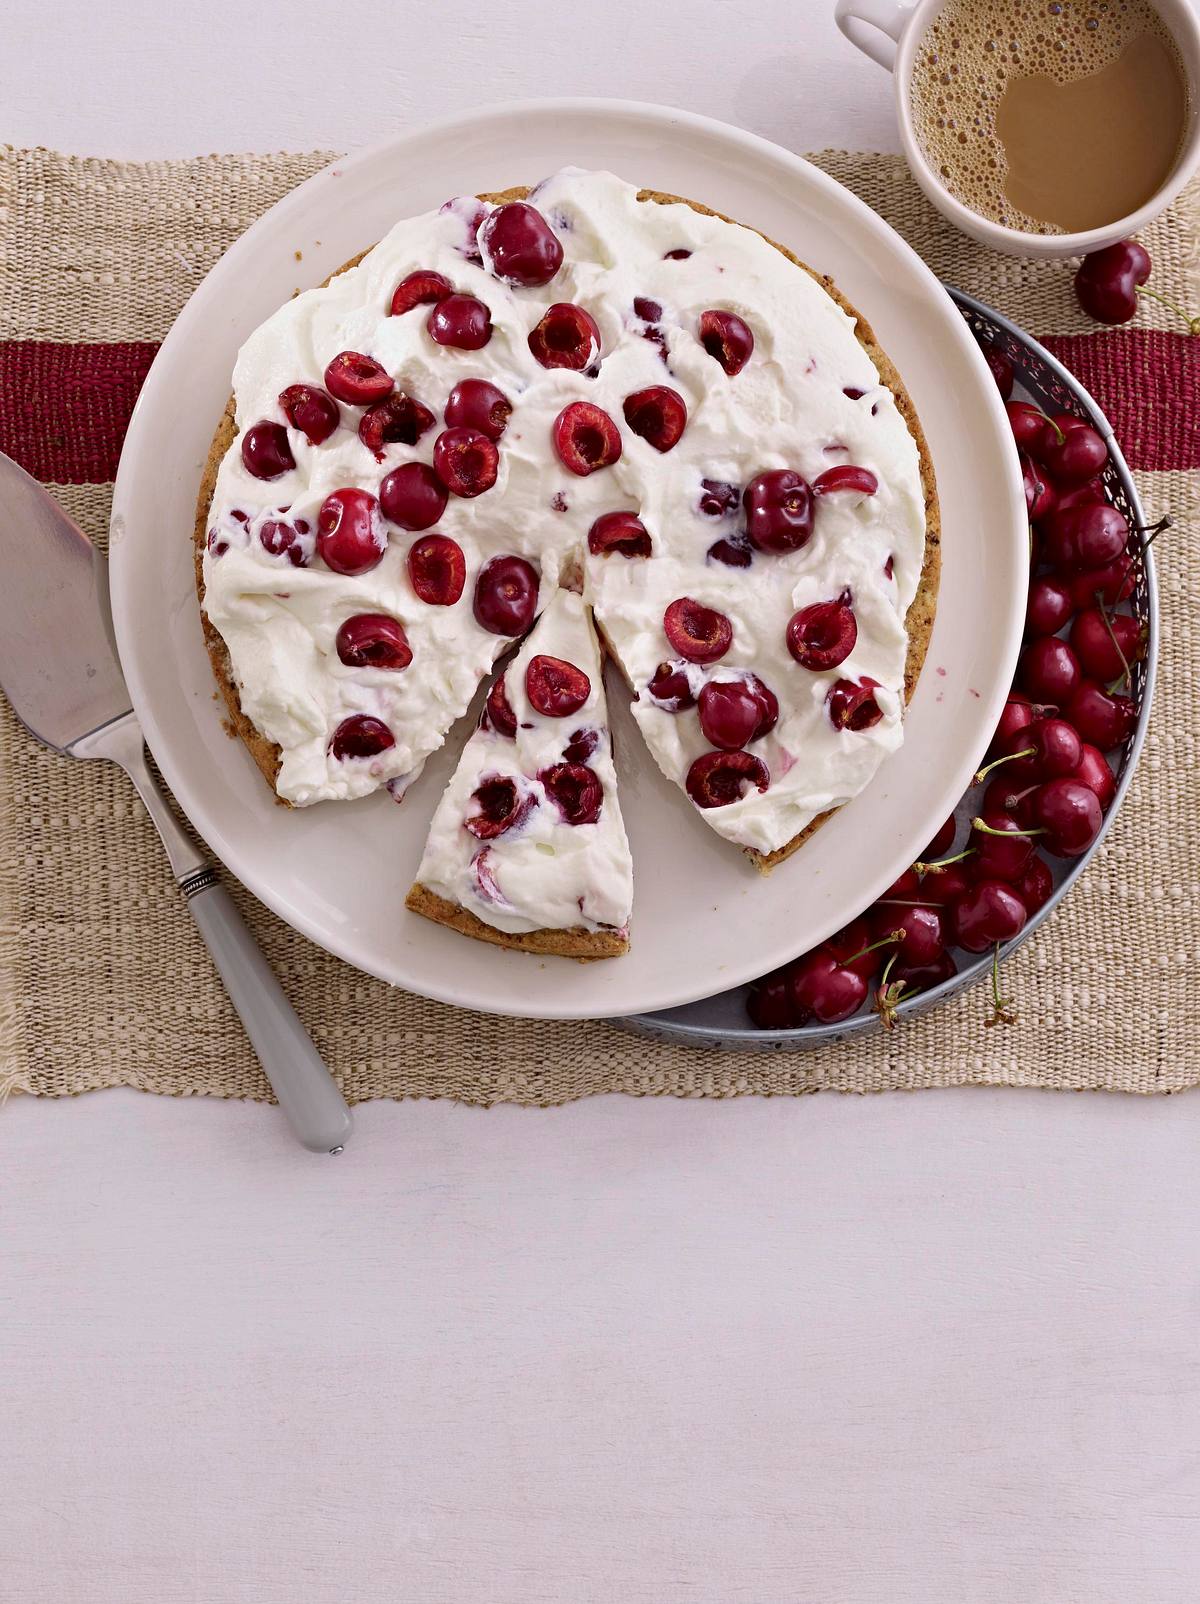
(704, 920)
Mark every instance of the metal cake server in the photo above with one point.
(59, 670)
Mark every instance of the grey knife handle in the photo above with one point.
(306, 1091)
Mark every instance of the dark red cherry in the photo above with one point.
(1018, 714)
(1035, 886)
(461, 321)
(478, 404)
(942, 841)
(732, 550)
(499, 806)
(906, 886)
(422, 288)
(717, 779)
(1107, 281)
(1048, 670)
(771, 1003)
(437, 570)
(718, 498)
(1041, 498)
(944, 886)
(732, 713)
(498, 710)
(311, 410)
(827, 989)
(565, 337)
(822, 635)
(1112, 583)
(357, 380)
(396, 420)
(265, 450)
(1010, 793)
(922, 932)
(1028, 425)
(1103, 718)
(575, 790)
(506, 594)
(852, 704)
(1057, 748)
(779, 510)
(373, 640)
(727, 338)
(412, 496)
(519, 246)
(580, 746)
(1106, 644)
(620, 532)
(699, 633)
(292, 540)
(1094, 772)
(1070, 814)
(670, 689)
(679, 254)
(845, 477)
(1049, 605)
(1004, 855)
(470, 212)
(585, 438)
(649, 311)
(1086, 536)
(847, 946)
(987, 912)
(999, 367)
(351, 538)
(1089, 494)
(466, 461)
(924, 977)
(360, 736)
(658, 415)
(556, 688)
(1076, 457)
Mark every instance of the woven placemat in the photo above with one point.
(103, 979)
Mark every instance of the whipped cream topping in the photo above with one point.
(809, 398)
(542, 873)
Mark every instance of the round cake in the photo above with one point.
(592, 387)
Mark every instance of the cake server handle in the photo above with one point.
(307, 1093)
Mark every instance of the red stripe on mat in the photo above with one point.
(1148, 383)
(64, 408)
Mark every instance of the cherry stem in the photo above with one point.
(1152, 531)
(982, 774)
(889, 995)
(943, 863)
(1193, 323)
(1001, 1006)
(1058, 434)
(892, 939)
(986, 829)
(1124, 678)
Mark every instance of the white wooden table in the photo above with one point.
(927, 1349)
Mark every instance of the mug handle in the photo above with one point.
(874, 26)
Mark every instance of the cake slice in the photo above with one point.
(527, 847)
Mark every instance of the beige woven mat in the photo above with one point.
(104, 981)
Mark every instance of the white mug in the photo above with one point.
(890, 32)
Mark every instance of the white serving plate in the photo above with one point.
(704, 920)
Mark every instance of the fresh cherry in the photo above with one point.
(397, 419)
(1070, 814)
(620, 532)
(519, 246)
(556, 688)
(412, 496)
(499, 806)
(670, 688)
(499, 711)
(1078, 455)
(1106, 644)
(357, 380)
(1102, 718)
(506, 594)
(717, 779)
(437, 570)
(1112, 583)
(1057, 748)
(1028, 425)
(265, 450)
(822, 635)
(827, 989)
(1086, 536)
(1035, 886)
(360, 736)
(772, 1004)
(924, 977)
(698, 633)
(1107, 282)
(575, 790)
(1002, 851)
(851, 704)
(942, 841)
(478, 404)
(466, 461)
(727, 338)
(779, 510)
(658, 415)
(461, 321)
(999, 367)
(585, 438)
(1010, 793)
(735, 712)
(1041, 498)
(921, 929)
(1090, 493)
(373, 640)
(944, 886)
(845, 477)
(1049, 605)
(1048, 670)
(987, 912)
(311, 410)
(1094, 772)
(849, 946)
(1018, 714)
(350, 535)
(422, 288)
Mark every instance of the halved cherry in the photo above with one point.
(670, 688)
(461, 321)
(621, 532)
(575, 790)
(470, 212)
(437, 570)
(466, 461)
(586, 438)
(822, 635)
(311, 410)
(292, 539)
(358, 380)
(718, 497)
(732, 550)
(499, 710)
(649, 311)
(699, 633)
(486, 884)
(735, 712)
(397, 419)
(499, 805)
(717, 779)
(373, 640)
(506, 595)
(658, 415)
(266, 452)
(360, 736)
(679, 254)
(412, 496)
(779, 510)
(845, 477)
(422, 288)
(477, 404)
(565, 337)
(519, 246)
(727, 338)
(554, 687)
(350, 535)
(852, 705)
(581, 745)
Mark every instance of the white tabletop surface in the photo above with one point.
(937, 1348)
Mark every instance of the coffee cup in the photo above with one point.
(891, 34)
